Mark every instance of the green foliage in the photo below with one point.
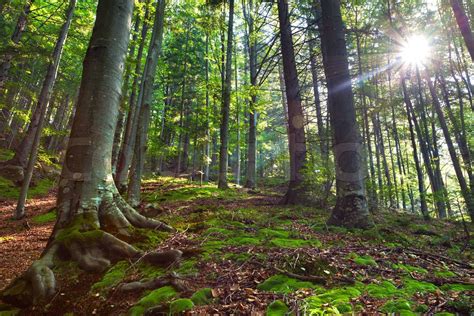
(283, 284)
(180, 305)
(113, 276)
(277, 308)
(6, 154)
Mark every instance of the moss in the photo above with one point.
(277, 308)
(202, 297)
(150, 271)
(180, 305)
(267, 232)
(423, 308)
(283, 284)
(113, 276)
(385, 289)
(187, 267)
(147, 238)
(218, 231)
(44, 218)
(364, 260)
(409, 268)
(457, 287)
(444, 314)
(396, 306)
(411, 287)
(334, 301)
(156, 297)
(238, 257)
(294, 243)
(243, 241)
(12, 312)
(463, 304)
(84, 227)
(444, 274)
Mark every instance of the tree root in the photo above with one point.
(171, 279)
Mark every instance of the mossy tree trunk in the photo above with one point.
(92, 216)
(351, 205)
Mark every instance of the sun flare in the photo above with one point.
(415, 51)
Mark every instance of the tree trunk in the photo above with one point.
(463, 24)
(16, 36)
(351, 205)
(225, 109)
(88, 201)
(296, 136)
(154, 52)
(126, 151)
(207, 150)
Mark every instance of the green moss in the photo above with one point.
(243, 241)
(84, 227)
(334, 301)
(180, 305)
(396, 306)
(277, 308)
(187, 267)
(113, 276)
(147, 238)
(156, 297)
(457, 287)
(12, 312)
(202, 297)
(444, 314)
(364, 260)
(150, 271)
(411, 287)
(238, 257)
(385, 289)
(8, 190)
(409, 268)
(267, 232)
(283, 284)
(218, 231)
(444, 274)
(44, 218)
(294, 243)
(423, 308)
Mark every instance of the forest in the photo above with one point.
(236, 157)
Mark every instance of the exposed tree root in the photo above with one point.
(87, 239)
(171, 279)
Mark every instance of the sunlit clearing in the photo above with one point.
(415, 51)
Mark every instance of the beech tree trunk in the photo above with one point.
(89, 207)
(225, 108)
(154, 52)
(351, 205)
(296, 120)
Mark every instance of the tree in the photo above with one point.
(225, 107)
(351, 205)
(89, 208)
(296, 136)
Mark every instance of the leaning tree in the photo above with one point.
(92, 218)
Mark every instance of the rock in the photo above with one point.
(13, 173)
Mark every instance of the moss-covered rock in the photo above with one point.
(153, 298)
(282, 284)
(180, 305)
(202, 297)
(277, 308)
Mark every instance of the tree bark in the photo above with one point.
(296, 136)
(351, 205)
(225, 108)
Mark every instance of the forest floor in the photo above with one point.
(246, 254)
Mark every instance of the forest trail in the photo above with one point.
(243, 251)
